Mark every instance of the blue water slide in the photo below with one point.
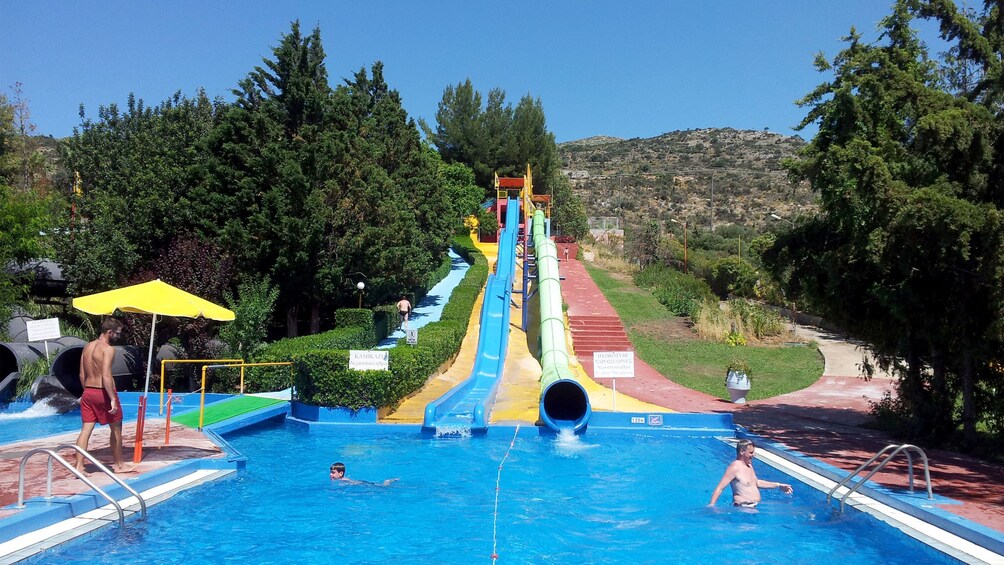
(468, 404)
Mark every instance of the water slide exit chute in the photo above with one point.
(468, 405)
(564, 404)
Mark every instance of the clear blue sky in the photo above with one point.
(608, 67)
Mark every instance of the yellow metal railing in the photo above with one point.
(166, 361)
(242, 365)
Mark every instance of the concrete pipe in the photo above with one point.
(127, 365)
(17, 328)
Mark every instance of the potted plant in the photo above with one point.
(737, 379)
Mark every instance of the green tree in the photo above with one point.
(139, 187)
(463, 194)
(23, 212)
(642, 242)
(388, 213)
(499, 139)
(263, 173)
(567, 210)
(908, 250)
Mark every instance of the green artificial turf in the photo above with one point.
(225, 409)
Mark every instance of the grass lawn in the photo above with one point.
(698, 364)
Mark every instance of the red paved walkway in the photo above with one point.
(822, 421)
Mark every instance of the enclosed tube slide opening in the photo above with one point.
(564, 404)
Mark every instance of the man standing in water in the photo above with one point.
(745, 485)
(100, 402)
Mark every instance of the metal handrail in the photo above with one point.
(905, 448)
(111, 474)
(72, 469)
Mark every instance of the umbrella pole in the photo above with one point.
(149, 356)
(137, 455)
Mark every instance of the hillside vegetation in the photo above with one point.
(672, 176)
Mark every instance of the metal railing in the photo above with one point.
(48, 485)
(906, 448)
(202, 397)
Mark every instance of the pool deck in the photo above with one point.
(822, 421)
(186, 445)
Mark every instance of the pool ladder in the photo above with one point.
(906, 448)
(48, 485)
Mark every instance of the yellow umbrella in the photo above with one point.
(155, 297)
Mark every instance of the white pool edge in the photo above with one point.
(929, 534)
(30, 544)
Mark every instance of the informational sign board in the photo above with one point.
(43, 330)
(369, 360)
(411, 337)
(613, 364)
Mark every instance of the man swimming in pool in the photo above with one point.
(337, 473)
(741, 476)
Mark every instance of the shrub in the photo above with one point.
(733, 275)
(252, 308)
(354, 318)
(739, 365)
(488, 224)
(679, 293)
(266, 379)
(755, 319)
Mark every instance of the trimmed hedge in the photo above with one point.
(265, 379)
(322, 376)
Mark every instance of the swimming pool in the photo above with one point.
(30, 421)
(614, 498)
(33, 421)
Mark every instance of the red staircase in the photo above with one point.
(597, 333)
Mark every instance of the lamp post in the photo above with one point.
(360, 286)
(684, 223)
(776, 217)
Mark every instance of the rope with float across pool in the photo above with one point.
(498, 480)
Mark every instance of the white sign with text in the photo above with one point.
(613, 364)
(369, 360)
(43, 330)
(411, 337)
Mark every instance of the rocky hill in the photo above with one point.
(688, 175)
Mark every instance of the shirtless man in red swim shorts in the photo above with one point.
(100, 401)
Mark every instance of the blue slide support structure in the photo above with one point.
(468, 404)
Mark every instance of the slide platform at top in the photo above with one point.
(467, 405)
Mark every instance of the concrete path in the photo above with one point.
(430, 308)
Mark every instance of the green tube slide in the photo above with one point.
(564, 403)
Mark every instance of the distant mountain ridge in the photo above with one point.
(671, 176)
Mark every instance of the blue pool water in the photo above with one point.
(612, 498)
(24, 421)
